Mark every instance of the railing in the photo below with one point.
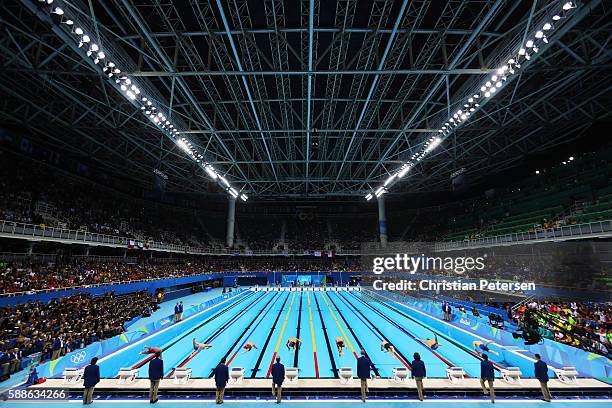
(565, 232)
(19, 230)
(11, 229)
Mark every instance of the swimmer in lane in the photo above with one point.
(249, 346)
(293, 343)
(150, 350)
(387, 347)
(482, 347)
(432, 344)
(340, 345)
(200, 346)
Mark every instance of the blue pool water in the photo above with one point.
(268, 319)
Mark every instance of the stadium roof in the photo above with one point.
(302, 98)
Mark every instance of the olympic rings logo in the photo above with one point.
(78, 357)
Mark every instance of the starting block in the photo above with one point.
(237, 375)
(566, 375)
(291, 375)
(455, 375)
(346, 375)
(182, 375)
(72, 375)
(127, 375)
(511, 375)
(400, 374)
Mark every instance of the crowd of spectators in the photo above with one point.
(22, 276)
(64, 325)
(258, 234)
(35, 195)
(585, 325)
(308, 233)
(32, 276)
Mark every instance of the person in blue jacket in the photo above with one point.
(221, 379)
(487, 374)
(541, 373)
(156, 373)
(176, 313)
(91, 377)
(447, 311)
(180, 310)
(418, 373)
(364, 365)
(278, 376)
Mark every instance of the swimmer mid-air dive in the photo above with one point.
(293, 343)
(387, 347)
(432, 344)
(249, 346)
(150, 350)
(481, 347)
(200, 346)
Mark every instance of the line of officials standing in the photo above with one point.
(91, 377)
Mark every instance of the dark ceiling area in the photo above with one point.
(304, 99)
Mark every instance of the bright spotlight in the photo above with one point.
(569, 5)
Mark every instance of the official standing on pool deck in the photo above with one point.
(278, 375)
(221, 379)
(418, 373)
(176, 312)
(541, 373)
(91, 376)
(446, 311)
(156, 373)
(487, 374)
(364, 365)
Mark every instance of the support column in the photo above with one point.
(231, 214)
(382, 221)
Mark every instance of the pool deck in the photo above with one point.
(381, 385)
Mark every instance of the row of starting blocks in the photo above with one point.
(512, 375)
(456, 375)
(257, 288)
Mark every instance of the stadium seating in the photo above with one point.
(567, 194)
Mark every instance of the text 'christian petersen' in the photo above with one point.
(458, 285)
